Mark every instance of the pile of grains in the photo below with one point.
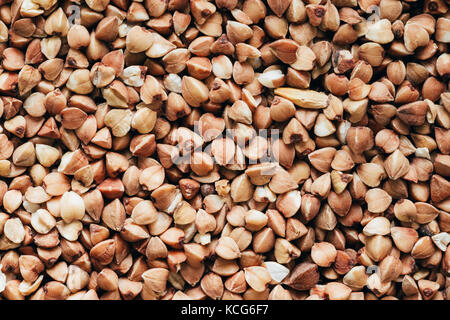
(225, 149)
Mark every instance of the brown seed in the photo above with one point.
(321, 159)
(281, 109)
(201, 163)
(264, 240)
(156, 279)
(285, 50)
(425, 212)
(236, 283)
(13, 59)
(212, 285)
(24, 155)
(377, 226)
(103, 252)
(114, 215)
(359, 139)
(189, 188)
(194, 91)
(30, 267)
(152, 177)
(80, 82)
(303, 277)
(387, 140)
(223, 150)
(396, 165)
(413, 113)
(423, 248)
(322, 185)
(377, 200)
(438, 188)
(343, 263)
(390, 268)
(108, 280)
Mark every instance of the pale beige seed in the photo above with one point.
(255, 220)
(69, 231)
(227, 248)
(377, 226)
(144, 120)
(241, 189)
(323, 254)
(257, 278)
(14, 230)
(144, 213)
(27, 288)
(42, 221)
(12, 200)
(152, 177)
(356, 277)
(72, 207)
(77, 278)
(377, 200)
(36, 195)
(46, 155)
(304, 98)
(337, 291)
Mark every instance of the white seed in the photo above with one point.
(441, 240)
(277, 271)
(72, 207)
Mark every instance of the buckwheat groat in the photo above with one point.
(224, 149)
